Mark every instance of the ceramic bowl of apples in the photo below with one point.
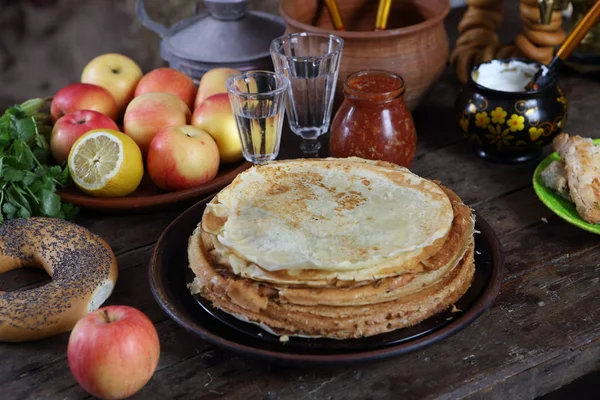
(135, 141)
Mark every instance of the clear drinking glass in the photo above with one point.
(311, 61)
(257, 99)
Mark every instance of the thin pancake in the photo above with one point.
(454, 244)
(329, 214)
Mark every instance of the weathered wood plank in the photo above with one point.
(126, 232)
(546, 377)
(545, 243)
(505, 218)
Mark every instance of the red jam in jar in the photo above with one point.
(373, 121)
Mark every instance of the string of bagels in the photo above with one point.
(478, 41)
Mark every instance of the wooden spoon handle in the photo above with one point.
(581, 29)
(334, 13)
(383, 13)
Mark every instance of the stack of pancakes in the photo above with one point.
(336, 248)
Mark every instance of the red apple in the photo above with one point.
(71, 126)
(182, 157)
(215, 116)
(168, 80)
(149, 113)
(113, 351)
(83, 96)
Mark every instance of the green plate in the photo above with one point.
(560, 206)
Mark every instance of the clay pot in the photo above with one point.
(510, 127)
(415, 45)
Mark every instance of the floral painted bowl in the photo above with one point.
(510, 127)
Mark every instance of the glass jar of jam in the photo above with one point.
(373, 121)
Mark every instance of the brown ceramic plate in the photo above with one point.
(169, 276)
(148, 196)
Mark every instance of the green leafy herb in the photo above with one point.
(27, 183)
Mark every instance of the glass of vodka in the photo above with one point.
(258, 99)
(311, 62)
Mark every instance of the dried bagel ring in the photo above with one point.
(531, 51)
(83, 270)
(465, 64)
(505, 51)
(479, 43)
(472, 21)
(457, 52)
(551, 27)
(545, 38)
(513, 52)
(477, 37)
(531, 3)
(488, 53)
(479, 17)
(484, 3)
(532, 14)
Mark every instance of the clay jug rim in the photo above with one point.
(367, 35)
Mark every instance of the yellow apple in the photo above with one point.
(216, 117)
(116, 73)
(149, 113)
(213, 82)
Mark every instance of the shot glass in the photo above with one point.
(311, 61)
(258, 99)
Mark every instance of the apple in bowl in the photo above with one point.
(149, 113)
(213, 82)
(168, 80)
(116, 73)
(182, 157)
(215, 116)
(82, 96)
(71, 127)
(113, 351)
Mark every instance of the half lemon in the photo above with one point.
(106, 163)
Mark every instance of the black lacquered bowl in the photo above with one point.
(510, 127)
(169, 275)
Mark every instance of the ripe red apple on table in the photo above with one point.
(182, 157)
(116, 73)
(168, 80)
(113, 351)
(215, 116)
(149, 113)
(71, 126)
(213, 82)
(82, 96)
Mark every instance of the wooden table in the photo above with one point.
(542, 332)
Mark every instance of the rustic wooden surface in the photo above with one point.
(542, 332)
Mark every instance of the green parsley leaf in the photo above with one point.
(24, 129)
(9, 210)
(12, 174)
(27, 183)
(50, 203)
